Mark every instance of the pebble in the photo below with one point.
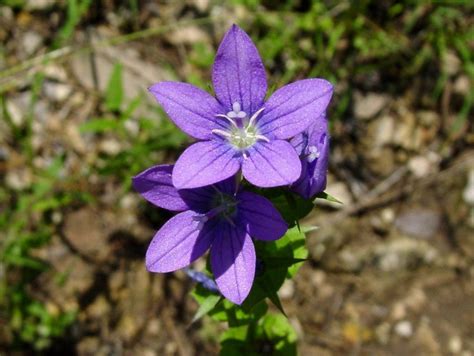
(110, 146)
(38, 4)
(420, 166)
(18, 179)
(451, 64)
(15, 112)
(384, 130)
(287, 290)
(404, 328)
(455, 344)
(419, 223)
(367, 106)
(57, 91)
(468, 193)
(55, 72)
(31, 42)
(462, 85)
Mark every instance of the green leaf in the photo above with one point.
(99, 125)
(206, 306)
(291, 206)
(114, 91)
(328, 197)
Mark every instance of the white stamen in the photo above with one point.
(313, 153)
(221, 133)
(228, 118)
(245, 154)
(236, 111)
(261, 137)
(254, 116)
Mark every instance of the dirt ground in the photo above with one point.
(390, 270)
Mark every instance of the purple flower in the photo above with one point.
(238, 129)
(313, 148)
(202, 278)
(220, 217)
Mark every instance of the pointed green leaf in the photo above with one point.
(328, 197)
(114, 91)
(206, 306)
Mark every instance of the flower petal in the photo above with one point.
(238, 74)
(205, 163)
(314, 174)
(271, 164)
(301, 141)
(233, 262)
(179, 242)
(192, 109)
(292, 108)
(263, 220)
(154, 184)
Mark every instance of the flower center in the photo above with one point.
(313, 154)
(242, 132)
(223, 206)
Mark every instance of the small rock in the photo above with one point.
(15, 113)
(451, 64)
(201, 5)
(188, 35)
(31, 42)
(384, 130)
(55, 72)
(462, 85)
(388, 215)
(455, 344)
(420, 166)
(57, 91)
(419, 223)
(287, 290)
(404, 329)
(110, 146)
(19, 179)
(38, 4)
(132, 127)
(403, 253)
(468, 193)
(366, 107)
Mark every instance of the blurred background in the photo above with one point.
(390, 270)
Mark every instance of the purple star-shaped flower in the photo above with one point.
(313, 148)
(220, 217)
(238, 129)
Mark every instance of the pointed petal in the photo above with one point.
(271, 164)
(316, 128)
(238, 74)
(154, 184)
(314, 174)
(178, 243)
(205, 163)
(263, 220)
(292, 108)
(233, 262)
(192, 109)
